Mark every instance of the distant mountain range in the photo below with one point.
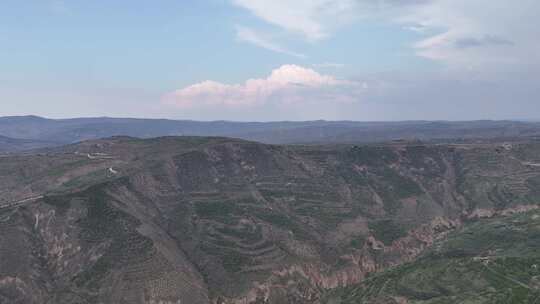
(50, 132)
(8, 144)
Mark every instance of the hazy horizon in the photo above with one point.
(265, 121)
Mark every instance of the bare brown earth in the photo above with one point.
(215, 220)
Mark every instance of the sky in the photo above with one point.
(269, 60)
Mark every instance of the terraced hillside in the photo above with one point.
(489, 261)
(215, 220)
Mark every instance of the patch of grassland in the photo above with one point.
(105, 224)
(387, 231)
(488, 261)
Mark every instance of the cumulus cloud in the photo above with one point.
(490, 48)
(249, 35)
(287, 85)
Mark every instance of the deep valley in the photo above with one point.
(219, 220)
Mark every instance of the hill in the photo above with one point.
(8, 144)
(218, 220)
(488, 261)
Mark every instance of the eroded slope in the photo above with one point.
(202, 220)
(489, 261)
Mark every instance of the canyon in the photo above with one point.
(220, 220)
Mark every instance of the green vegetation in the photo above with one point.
(488, 261)
(233, 261)
(427, 158)
(62, 203)
(241, 212)
(357, 242)
(222, 211)
(501, 197)
(371, 155)
(400, 186)
(351, 176)
(436, 281)
(60, 170)
(282, 221)
(243, 233)
(107, 224)
(329, 217)
(392, 187)
(387, 231)
(272, 193)
(89, 179)
(102, 220)
(215, 209)
(277, 219)
(534, 188)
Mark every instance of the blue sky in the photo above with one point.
(270, 60)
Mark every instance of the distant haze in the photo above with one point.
(32, 132)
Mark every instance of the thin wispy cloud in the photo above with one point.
(251, 36)
(479, 34)
(483, 41)
(313, 19)
(458, 33)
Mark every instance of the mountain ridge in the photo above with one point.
(66, 131)
(128, 220)
(8, 144)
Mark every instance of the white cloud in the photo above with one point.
(287, 85)
(462, 34)
(251, 36)
(313, 19)
(476, 34)
(490, 47)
